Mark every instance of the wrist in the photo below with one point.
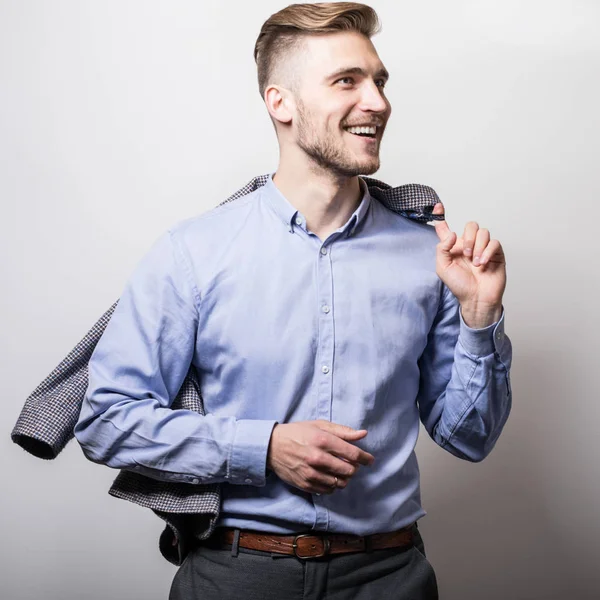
(479, 317)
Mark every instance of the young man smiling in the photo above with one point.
(322, 326)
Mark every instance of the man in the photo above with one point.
(322, 327)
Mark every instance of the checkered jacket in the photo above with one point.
(47, 419)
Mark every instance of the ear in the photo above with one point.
(280, 103)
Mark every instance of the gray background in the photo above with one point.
(118, 119)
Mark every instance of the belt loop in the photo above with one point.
(235, 547)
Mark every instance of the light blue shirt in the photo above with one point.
(281, 327)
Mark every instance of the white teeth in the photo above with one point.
(370, 130)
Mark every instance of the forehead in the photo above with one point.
(329, 52)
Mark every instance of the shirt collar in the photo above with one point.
(291, 217)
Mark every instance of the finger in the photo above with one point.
(341, 431)
(347, 451)
(441, 227)
(448, 239)
(325, 462)
(320, 489)
(444, 254)
(481, 242)
(493, 251)
(330, 484)
(323, 483)
(469, 237)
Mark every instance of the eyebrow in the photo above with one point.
(358, 71)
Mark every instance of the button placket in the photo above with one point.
(324, 363)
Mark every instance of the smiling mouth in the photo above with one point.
(368, 132)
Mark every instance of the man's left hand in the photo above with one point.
(474, 269)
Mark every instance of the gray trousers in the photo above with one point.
(209, 573)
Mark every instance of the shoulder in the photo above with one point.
(387, 218)
(216, 223)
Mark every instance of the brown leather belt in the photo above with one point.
(313, 545)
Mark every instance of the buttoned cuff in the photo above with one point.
(248, 458)
(484, 341)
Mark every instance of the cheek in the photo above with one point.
(336, 121)
(332, 127)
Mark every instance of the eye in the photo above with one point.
(345, 79)
(382, 82)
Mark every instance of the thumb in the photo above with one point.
(341, 431)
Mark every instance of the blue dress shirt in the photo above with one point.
(281, 326)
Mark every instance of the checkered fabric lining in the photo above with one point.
(412, 200)
(46, 422)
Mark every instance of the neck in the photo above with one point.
(327, 201)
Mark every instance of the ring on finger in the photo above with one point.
(334, 484)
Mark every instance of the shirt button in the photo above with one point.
(298, 221)
(325, 369)
(196, 481)
(499, 335)
(325, 309)
(248, 480)
(323, 251)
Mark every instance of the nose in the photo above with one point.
(372, 98)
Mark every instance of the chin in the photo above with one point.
(368, 168)
(358, 168)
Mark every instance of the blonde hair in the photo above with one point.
(284, 31)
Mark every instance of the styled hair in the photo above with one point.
(284, 31)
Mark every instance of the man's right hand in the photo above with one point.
(310, 454)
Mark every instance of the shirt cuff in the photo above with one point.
(248, 459)
(484, 341)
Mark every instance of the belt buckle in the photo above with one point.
(324, 540)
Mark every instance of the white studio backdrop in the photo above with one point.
(118, 119)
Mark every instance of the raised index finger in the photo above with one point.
(441, 227)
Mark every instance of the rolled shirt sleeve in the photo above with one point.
(135, 373)
(465, 393)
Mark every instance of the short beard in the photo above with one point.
(326, 154)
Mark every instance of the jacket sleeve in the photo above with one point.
(135, 373)
(465, 393)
